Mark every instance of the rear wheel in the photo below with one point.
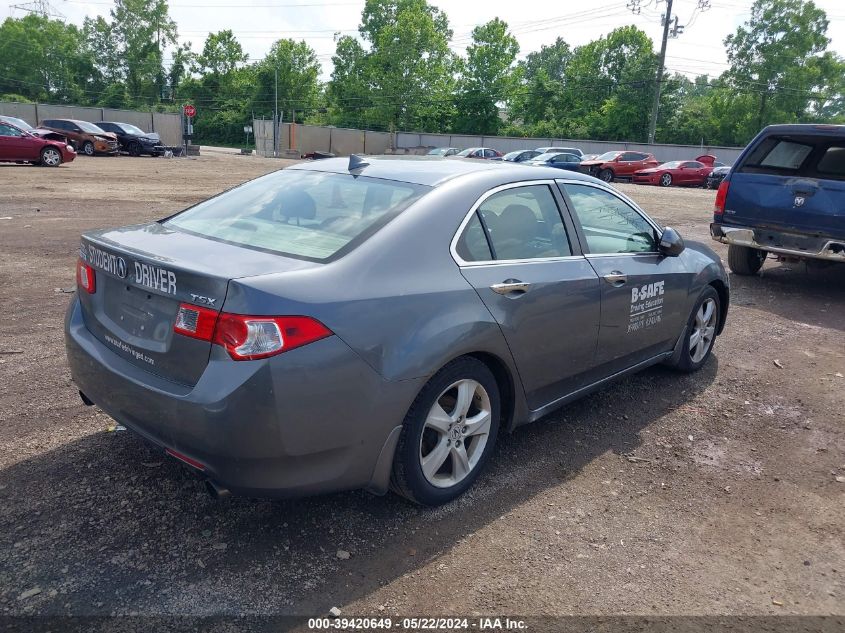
(701, 332)
(606, 175)
(448, 434)
(666, 180)
(88, 148)
(745, 261)
(51, 157)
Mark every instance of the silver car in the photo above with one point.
(376, 323)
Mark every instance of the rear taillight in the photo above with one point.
(254, 337)
(195, 322)
(85, 277)
(248, 337)
(721, 197)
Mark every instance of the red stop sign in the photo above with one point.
(190, 111)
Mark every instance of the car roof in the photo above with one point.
(434, 170)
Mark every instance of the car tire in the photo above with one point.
(448, 434)
(606, 175)
(50, 157)
(701, 331)
(743, 260)
(666, 180)
(88, 148)
(134, 149)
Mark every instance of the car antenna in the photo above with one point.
(356, 162)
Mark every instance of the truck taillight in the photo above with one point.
(85, 277)
(721, 197)
(248, 337)
(254, 337)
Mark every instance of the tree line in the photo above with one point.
(400, 73)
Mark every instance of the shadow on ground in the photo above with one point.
(107, 526)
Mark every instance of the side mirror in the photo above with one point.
(671, 243)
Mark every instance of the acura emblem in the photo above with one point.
(799, 201)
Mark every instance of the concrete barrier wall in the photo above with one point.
(377, 142)
(168, 125)
(346, 141)
(25, 111)
(663, 152)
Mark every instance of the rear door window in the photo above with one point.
(518, 223)
(832, 163)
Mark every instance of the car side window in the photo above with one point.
(8, 130)
(520, 223)
(610, 225)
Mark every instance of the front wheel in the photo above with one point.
(701, 332)
(448, 434)
(606, 175)
(666, 180)
(743, 260)
(88, 148)
(51, 157)
(134, 149)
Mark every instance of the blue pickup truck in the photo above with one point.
(785, 196)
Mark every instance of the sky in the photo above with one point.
(258, 23)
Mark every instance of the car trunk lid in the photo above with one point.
(144, 273)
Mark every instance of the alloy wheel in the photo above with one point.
(51, 157)
(456, 431)
(666, 180)
(704, 330)
(88, 148)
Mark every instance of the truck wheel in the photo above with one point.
(606, 175)
(743, 260)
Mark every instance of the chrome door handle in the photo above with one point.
(616, 278)
(511, 286)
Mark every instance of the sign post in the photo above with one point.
(190, 112)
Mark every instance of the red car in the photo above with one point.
(21, 146)
(678, 172)
(480, 152)
(613, 165)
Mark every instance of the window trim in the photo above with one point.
(461, 262)
(562, 182)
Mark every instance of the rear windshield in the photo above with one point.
(810, 156)
(309, 215)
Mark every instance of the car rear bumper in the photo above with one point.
(315, 419)
(781, 243)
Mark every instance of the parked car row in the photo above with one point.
(58, 141)
(638, 167)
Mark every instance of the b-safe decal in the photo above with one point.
(646, 306)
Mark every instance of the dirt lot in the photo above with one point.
(734, 508)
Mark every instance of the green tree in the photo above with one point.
(348, 91)
(44, 59)
(295, 66)
(408, 66)
(487, 80)
(221, 54)
(779, 55)
(142, 30)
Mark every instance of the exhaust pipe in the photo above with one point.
(216, 490)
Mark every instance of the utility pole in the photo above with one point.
(652, 124)
(276, 118)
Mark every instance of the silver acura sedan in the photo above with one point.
(377, 322)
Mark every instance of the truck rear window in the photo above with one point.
(806, 156)
(308, 215)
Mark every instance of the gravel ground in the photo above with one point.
(716, 493)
